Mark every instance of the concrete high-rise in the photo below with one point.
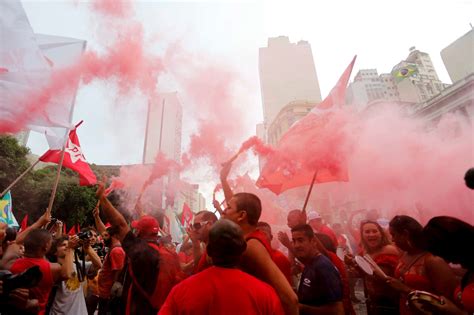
(287, 74)
(458, 57)
(163, 128)
(416, 77)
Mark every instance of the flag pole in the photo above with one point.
(309, 191)
(18, 178)
(56, 182)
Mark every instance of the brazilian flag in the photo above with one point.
(6, 214)
(405, 71)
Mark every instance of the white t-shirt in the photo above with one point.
(69, 297)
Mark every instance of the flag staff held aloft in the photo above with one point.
(18, 178)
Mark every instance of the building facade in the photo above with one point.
(287, 73)
(163, 128)
(287, 116)
(458, 57)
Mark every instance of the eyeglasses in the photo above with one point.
(199, 225)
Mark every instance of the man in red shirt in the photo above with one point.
(278, 257)
(37, 243)
(199, 234)
(316, 222)
(222, 288)
(111, 267)
(245, 210)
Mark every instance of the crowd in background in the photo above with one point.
(235, 265)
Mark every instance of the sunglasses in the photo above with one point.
(199, 225)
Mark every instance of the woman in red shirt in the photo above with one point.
(452, 239)
(418, 269)
(381, 299)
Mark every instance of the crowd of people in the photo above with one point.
(234, 265)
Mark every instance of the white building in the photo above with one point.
(163, 128)
(287, 73)
(369, 86)
(415, 78)
(458, 57)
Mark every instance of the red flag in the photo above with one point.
(64, 228)
(24, 223)
(186, 216)
(78, 228)
(312, 144)
(73, 159)
(72, 231)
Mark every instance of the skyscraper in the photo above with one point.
(458, 57)
(287, 74)
(163, 129)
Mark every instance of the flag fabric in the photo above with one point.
(293, 163)
(6, 213)
(64, 228)
(186, 216)
(73, 159)
(24, 223)
(72, 231)
(404, 71)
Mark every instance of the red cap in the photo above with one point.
(146, 224)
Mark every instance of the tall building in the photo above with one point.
(287, 73)
(416, 78)
(163, 128)
(458, 57)
(192, 197)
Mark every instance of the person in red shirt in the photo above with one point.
(316, 222)
(111, 267)
(152, 269)
(37, 244)
(245, 210)
(278, 257)
(199, 234)
(222, 288)
(450, 239)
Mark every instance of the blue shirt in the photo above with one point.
(320, 283)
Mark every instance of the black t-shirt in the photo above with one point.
(144, 261)
(320, 283)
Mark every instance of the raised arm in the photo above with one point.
(225, 185)
(98, 222)
(42, 221)
(112, 214)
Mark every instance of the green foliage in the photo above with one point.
(73, 203)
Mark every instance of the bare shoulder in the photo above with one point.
(391, 250)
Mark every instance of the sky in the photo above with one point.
(231, 32)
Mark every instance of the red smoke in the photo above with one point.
(114, 8)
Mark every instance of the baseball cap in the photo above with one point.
(146, 224)
(313, 215)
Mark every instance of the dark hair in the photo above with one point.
(36, 239)
(469, 178)
(326, 241)
(54, 248)
(226, 243)
(89, 228)
(384, 241)
(251, 204)
(113, 230)
(401, 223)
(305, 228)
(207, 216)
(447, 237)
